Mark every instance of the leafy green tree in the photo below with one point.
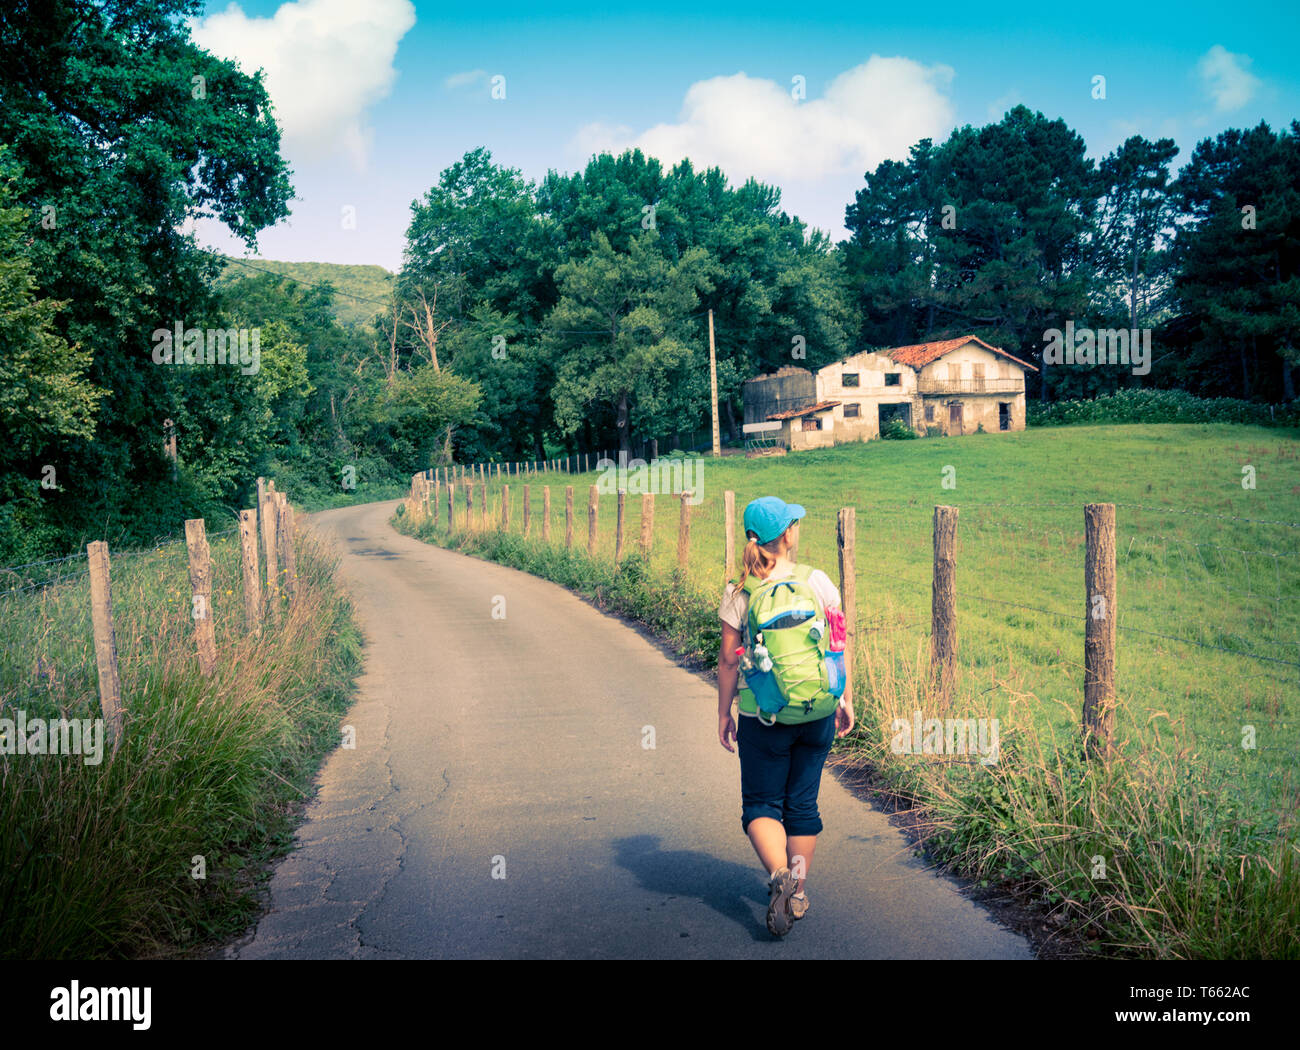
(124, 131)
(1135, 222)
(515, 374)
(46, 400)
(474, 238)
(623, 338)
(44, 393)
(989, 236)
(1238, 258)
(888, 260)
(777, 291)
(409, 417)
(229, 424)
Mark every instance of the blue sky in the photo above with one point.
(376, 97)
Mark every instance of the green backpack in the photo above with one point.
(783, 620)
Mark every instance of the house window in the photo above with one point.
(811, 423)
(849, 379)
(929, 413)
(977, 374)
(893, 378)
(852, 412)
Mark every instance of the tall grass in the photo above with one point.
(99, 860)
(1138, 854)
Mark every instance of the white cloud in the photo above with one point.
(997, 109)
(459, 80)
(750, 126)
(1225, 78)
(326, 62)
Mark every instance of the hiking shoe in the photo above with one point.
(780, 888)
(799, 905)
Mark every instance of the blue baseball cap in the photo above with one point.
(767, 517)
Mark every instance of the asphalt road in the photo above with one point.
(499, 802)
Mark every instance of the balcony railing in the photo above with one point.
(971, 386)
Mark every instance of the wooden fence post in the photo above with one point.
(1099, 626)
(205, 637)
(546, 513)
(647, 522)
(618, 530)
(469, 505)
(505, 508)
(288, 556)
(943, 598)
(683, 531)
(101, 617)
(527, 519)
(451, 506)
(267, 510)
(729, 542)
(592, 496)
(248, 562)
(568, 517)
(483, 512)
(437, 499)
(846, 542)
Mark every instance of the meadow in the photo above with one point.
(1185, 843)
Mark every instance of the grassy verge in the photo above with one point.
(1185, 843)
(99, 860)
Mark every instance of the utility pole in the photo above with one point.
(713, 388)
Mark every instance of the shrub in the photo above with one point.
(1161, 406)
(897, 430)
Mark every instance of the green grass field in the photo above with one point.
(1208, 639)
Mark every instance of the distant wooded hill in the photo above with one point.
(364, 282)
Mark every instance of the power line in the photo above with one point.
(379, 302)
(307, 284)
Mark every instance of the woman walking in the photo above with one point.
(781, 760)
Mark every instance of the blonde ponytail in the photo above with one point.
(759, 559)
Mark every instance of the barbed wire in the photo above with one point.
(44, 583)
(1208, 645)
(114, 556)
(47, 561)
(1135, 506)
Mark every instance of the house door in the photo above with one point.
(954, 418)
(1004, 415)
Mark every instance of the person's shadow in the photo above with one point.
(721, 884)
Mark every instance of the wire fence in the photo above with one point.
(19, 579)
(1207, 617)
(1207, 625)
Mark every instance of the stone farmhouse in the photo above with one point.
(951, 387)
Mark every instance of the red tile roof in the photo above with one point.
(821, 406)
(921, 354)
